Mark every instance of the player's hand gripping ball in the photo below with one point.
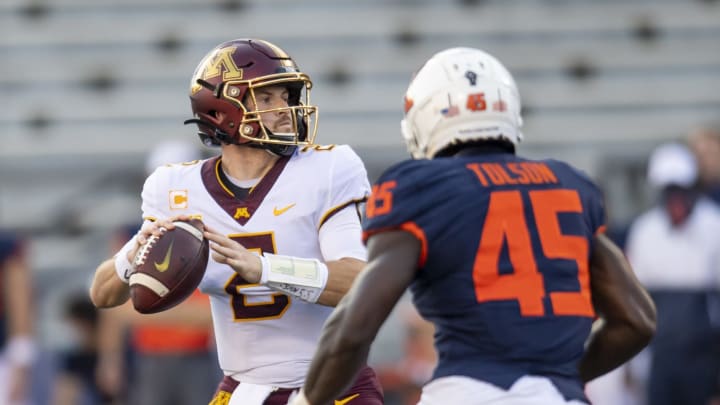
(169, 267)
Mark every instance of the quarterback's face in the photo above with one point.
(269, 98)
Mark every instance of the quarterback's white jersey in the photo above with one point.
(263, 336)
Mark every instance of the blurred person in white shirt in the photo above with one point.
(674, 248)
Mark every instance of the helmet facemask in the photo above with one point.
(301, 114)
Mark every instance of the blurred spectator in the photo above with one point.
(172, 361)
(705, 143)
(17, 345)
(402, 382)
(75, 383)
(675, 251)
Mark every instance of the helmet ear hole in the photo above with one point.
(214, 114)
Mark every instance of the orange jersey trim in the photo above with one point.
(410, 227)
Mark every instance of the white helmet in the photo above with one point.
(672, 164)
(460, 95)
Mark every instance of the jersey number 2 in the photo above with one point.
(244, 310)
(506, 220)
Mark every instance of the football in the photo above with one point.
(169, 267)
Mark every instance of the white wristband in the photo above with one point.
(123, 266)
(21, 351)
(303, 278)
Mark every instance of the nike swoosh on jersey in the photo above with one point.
(163, 266)
(346, 399)
(279, 211)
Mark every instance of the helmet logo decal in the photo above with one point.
(451, 110)
(499, 105)
(472, 77)
(476, 102)
(219, 63)
(408, 104)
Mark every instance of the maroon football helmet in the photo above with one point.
(228, 76)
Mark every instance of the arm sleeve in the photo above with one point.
(348, 183)
(340, 236)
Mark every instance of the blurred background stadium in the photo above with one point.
(90, 86)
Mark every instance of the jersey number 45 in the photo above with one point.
(506, 220)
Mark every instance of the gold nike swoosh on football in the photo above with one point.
(279, 211)
(346, 399)
(163, 266)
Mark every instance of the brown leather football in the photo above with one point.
(169, 268)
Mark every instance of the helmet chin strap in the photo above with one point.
(219, 137)
(285, 135)
(223, 137)
(282, 150)
(272, 148)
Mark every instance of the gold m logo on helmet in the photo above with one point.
(221, 62)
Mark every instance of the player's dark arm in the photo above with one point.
(353, 325)
(627, 313)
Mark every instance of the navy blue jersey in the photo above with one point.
(504, 267)
(9, 246)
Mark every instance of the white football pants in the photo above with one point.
(528, 390)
